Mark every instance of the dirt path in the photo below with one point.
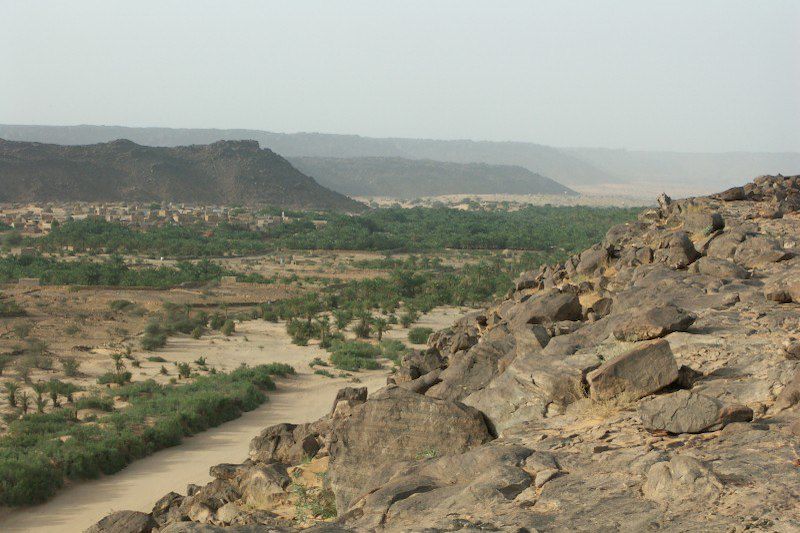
(302, 398)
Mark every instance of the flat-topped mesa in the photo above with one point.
(651, 381)
(225, 172)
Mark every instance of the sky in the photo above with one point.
(694, 75)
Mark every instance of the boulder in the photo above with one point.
(351, 395)
(789, 396)
(261, 485)
(679, 479)
(427, 495)
(550, 305)
(472, 370)
(166, 509)
(759, 250)
(702, 221)
(676, 250)
(719, 268)
(732, 195)
(124, 522)
(287, 443)
(639, 371)
(396, 425)
(687, 411)
(653, 323)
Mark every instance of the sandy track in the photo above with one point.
(303, 398)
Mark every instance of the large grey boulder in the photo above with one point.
(124, 522)
(687, 411)
(676, 250)
(722, 269)
(287, 443)
(396, 425)
(432, 493)
(643, 369)
(759, 250)
(653, 323)
(550, 305)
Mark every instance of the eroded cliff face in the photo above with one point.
(650, 383)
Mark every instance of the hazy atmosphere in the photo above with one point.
(316, 266)
(679, 75)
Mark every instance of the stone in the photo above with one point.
(690, 412)
(676, 250)
(653, 323)
(351, 395)
(645, 368)
(679, 479)
(791, 349)
(287, 443)
(261, 485)
(701, 221)
(789, 395)
(124, 522)
(396, 425)
(550, 305)
(732, 195)
(719, 268)
(166, 509)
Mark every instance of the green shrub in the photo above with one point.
(113, 377)
(354, 355)
(156, 359)
(70, 366)
(154, 342)
(197, 332)
(121, 305)
(10, 308)
(393, 350)
(228, 328)
(96, 401)
(323, 372)
(419, 335)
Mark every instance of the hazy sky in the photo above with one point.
(682, 75)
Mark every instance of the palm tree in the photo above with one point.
(11, 390)
(24, 401)
(324, 329)
(381, 325)
(119, 364)
(342, 317)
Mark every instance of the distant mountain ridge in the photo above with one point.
(225, 172)
(582, 168)
(411, 178)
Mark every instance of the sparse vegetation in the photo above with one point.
(419, 335)
(41, 450)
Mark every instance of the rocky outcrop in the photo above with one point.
(649, 383)
(394, 426)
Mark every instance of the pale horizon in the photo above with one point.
(673, 77)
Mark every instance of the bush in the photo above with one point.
(197, 332)
(354, 355)
(228, 328)
(393, 350)
(419, 335)
(70, 366)
(323, 372)
(96, 401)
(10, 308)
(216, 321)
(113, 377)
(156, 359)
(154, 342)
(121, 305)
